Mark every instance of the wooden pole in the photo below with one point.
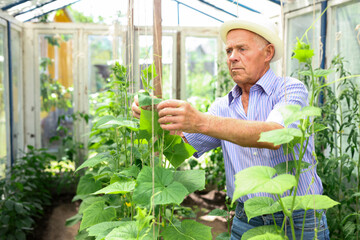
(157, 36)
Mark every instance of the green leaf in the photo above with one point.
(280, 136)
(192, 179)
(87, 185)
(223, 236)
(176, 150)
(281, 167)
(97, 213)
(103, 227)
(147, 75)
(131, 171)
(103, 119)
(166, 190)
(95, 160)
(146, 100)
(218, 212)
(189, 230)
(88, 202)
(303, 55)
(317, 73)
(293, 113)
(147, 119)
(258, 206)
(73, 220)
(267, 232)
(118, 188)
(128, 231)
(310, 202)
(120, 123)
(319, 127)
(259, 179)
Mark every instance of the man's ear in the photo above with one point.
(269, 51)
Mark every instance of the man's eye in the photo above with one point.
(228, 51)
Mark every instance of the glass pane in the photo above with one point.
(56, 83)
(201, 70)
(296, 28)
(16, 81)
(348, 35)
(3, 139)
(100, 57)
(146, 59)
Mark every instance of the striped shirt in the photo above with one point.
(265, 97)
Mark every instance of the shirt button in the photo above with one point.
(255, 153)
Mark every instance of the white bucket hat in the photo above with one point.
(256, 23)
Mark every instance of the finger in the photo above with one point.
(172, 127)
(173, 103)
(170, 111)
(136, 115)
(170, 119)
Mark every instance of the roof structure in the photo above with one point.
(218, 10)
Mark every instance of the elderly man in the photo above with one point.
(236, 120)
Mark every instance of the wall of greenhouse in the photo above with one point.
(52, 69)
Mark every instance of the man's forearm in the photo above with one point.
(241, 132)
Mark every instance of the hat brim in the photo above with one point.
(260, 28)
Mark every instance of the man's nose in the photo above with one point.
(233, 56)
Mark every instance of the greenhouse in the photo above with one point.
(180, 119)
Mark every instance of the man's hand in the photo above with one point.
(135, 107)
(180, 116)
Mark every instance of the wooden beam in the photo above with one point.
(157, 36)
(178, 65)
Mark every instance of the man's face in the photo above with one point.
(247, 56)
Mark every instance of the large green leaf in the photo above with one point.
(189, 230)
(122, 187)
(97, 213)
(281, 167)
(102, 229)
(147, 120)
(280, 136)
(95, 160)
(310, 202)
(267, 232)
(258, 206)
(192, 179)
(164, 189)
(87, 185)
(87, 202)
(293, 113)
(146, 100)
(260, 179)
(128, 230)
(176, 150)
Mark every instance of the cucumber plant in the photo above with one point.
(131, 186)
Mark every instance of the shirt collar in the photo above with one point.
(265, 82)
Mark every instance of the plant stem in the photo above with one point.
(341, 168)
(303, 225)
